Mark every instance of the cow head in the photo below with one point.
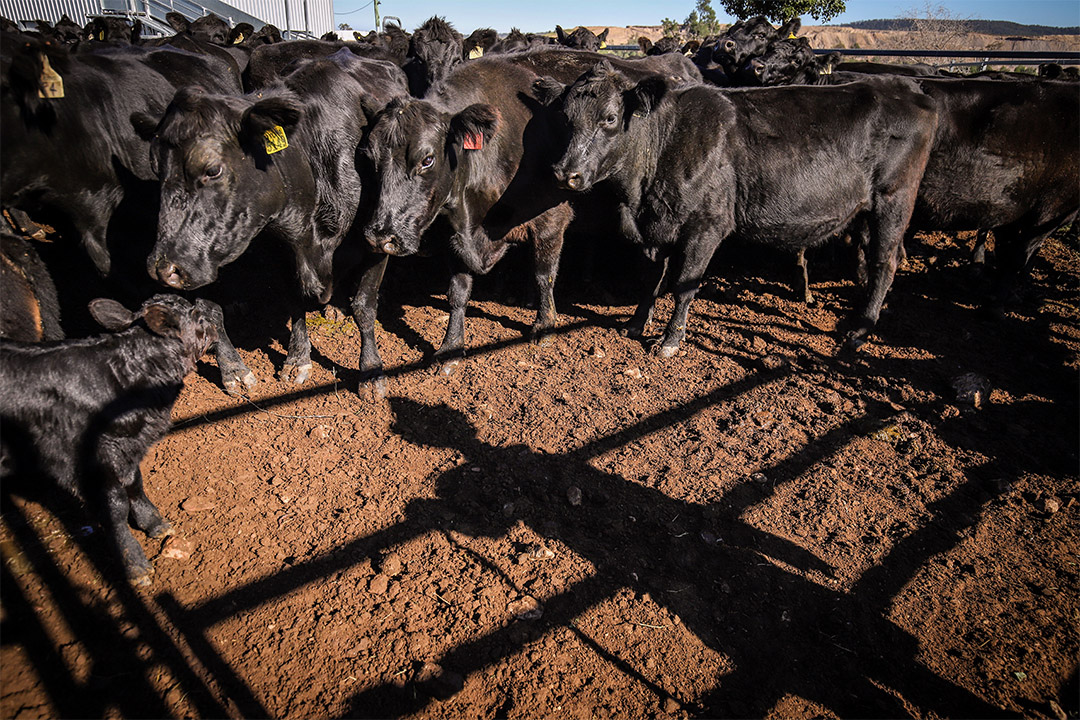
(784, 62)
(434, 49)
(168, 316)
(747, 39)
(582, 38)
(601, 109)
(220, 182)
(418, 152)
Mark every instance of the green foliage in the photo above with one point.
(700, 23)
(779, 11)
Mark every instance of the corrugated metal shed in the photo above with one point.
(299, 16)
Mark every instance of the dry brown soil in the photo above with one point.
(760, 527)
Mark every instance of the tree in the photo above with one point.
(344, 26)
(700, 23)
(780, 11)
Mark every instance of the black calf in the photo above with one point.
(90, 409)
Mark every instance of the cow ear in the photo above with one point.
(789, 29)
(691, 47)
(110, 314)
(560, 34)
(136, 31)
(602, 37)
(646, 95)
(177, 22)
(145, 124)
(644, 44)
(548, 90)
(474, 125)
(276, 111)
(162, 321)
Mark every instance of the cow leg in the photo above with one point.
(803, 277)
(117, 509)
(297, 365)
(694, 260)
(235, 375)
(144, 514)
(1013, 253)
(978, 253)
(883, 256)
(364, 307)
(546, 254)
(655, 274)
(452, 350)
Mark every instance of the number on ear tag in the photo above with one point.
(239, 39)
(476, 52)
(50, 84)
(474, 141)
(275, 140)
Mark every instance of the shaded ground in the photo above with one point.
(757, 528)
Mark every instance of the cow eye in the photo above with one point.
(427, 162)
(610, 119)
(213, 172)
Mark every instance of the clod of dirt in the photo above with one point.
(378, 584)
(671, 706)
(438, 682)
(573, 495)
(391, 565)
(1049, 505)
(971, 389)
(759, 478)
(1057, 712)
(195, 503)
(526, 608)
(773, 362)
(177, 548)
(536, 552)
(320, 432)
(633, 372)
(598, 353)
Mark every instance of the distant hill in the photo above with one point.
(985, 27)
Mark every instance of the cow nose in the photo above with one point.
(574, 181)
(170, 274)
(729, 45)
(757, 67)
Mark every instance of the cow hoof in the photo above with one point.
(376, 386)
(297, 374)
(855, 342)
(543, 340)
(164, 529)
(667, 351)
(238, 385)
(448, 368)
(632, 331)
(140, 576)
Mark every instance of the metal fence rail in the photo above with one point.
(982, 57)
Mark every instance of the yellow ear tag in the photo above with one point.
(792, 37)
(239, 39)
(603, 44)
(50, 84)
(275, 140)
(476, 52)
(101, 35)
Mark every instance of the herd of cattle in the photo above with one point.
(353, 151)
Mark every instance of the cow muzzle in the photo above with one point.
(168, 273)
(571, 180)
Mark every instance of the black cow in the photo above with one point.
(997, 164)
(479, 42)
(476, 153)
(582, 38)
(516, 41)
(65, 30)
(281, 160)
(113, 31)
(29, 309)
(789, 61)
(747, 39)
(269, 62)
(208, 28)
(666, 44)
(784, 166)
(83, 413)
(434, 49)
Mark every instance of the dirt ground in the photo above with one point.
(760, 527)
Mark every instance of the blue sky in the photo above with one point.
(467, 15)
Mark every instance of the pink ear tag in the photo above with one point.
(474, 141)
